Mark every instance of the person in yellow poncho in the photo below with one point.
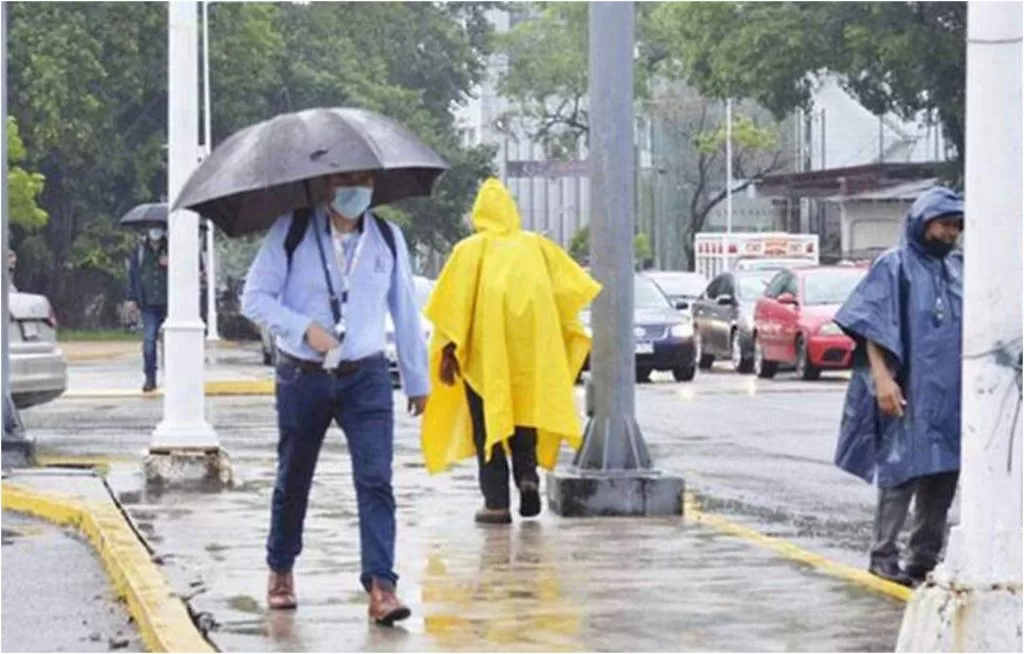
(505, 312)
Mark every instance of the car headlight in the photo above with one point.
(830, 329)
(682, 330)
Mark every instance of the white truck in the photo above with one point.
(715, 252)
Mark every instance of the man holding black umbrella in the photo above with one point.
(322, 283)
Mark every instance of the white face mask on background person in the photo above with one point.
(156, 233)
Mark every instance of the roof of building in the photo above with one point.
(906, 192)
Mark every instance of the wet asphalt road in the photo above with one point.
(56, 597)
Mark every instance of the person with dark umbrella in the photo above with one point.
(147, 293)
(328, 273)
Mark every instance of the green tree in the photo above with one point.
(902, 57)
(89, 92)
(23, 187)
(579, 248)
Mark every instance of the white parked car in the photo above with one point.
(39, 370)
(423, 288)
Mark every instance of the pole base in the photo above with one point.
(946, 616)
(202, 469)
(577, 494)
(18, 448)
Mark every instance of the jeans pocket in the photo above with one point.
(287, 373)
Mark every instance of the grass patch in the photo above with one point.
(101, 335)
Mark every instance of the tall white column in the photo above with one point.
(975, 604)
(212, 333)
(184, 426)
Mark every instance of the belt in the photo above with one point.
(311, 367)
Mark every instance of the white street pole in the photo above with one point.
(975, 603)
(728, 166)
(184, 425)
(212, 333)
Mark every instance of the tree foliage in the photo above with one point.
(88, 87)
(902, 57)
(579, 248)
(23, 187)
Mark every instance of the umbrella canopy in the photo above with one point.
(264, 171)
(151, 214)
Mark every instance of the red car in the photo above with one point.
(793, 321)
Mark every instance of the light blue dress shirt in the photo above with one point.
(286, 302)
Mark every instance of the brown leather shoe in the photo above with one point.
(487, 516)
(385, 608)
(281, 591)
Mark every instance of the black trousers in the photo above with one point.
(494, 473)
(932, 497)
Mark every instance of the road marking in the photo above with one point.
(161, 616)
(223, 388)
(790, 551)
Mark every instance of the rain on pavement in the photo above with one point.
(756, 451)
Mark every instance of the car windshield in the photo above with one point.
(647, 295)
(752, 287)
(681, 285)
(831, 287)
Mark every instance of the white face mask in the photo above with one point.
(156, 233)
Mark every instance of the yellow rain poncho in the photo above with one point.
(510, 301)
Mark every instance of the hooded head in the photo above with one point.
(935, 222)
(494, 211)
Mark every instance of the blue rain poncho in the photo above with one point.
(922, 335)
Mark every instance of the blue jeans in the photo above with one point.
(153, 318)
(362, 405)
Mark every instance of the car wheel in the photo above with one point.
(704, 361)
(643, 375)
(806, 370)
(685, 374)
(763, 368)
(741, 361)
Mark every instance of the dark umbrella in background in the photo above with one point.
(152, 214)
(277, 166)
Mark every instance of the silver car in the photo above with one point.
(39, 370)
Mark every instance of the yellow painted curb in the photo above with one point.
(790, 551)
(235, 387)
(159, 613)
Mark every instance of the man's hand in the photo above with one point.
(163, 260)
(887, 391)
(417, 405)
(449, 366)
(890, 397)
(320, 339)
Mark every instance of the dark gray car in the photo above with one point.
(724, 318)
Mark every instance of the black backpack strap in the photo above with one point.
(389, 236)
(296, 232)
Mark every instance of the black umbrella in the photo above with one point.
(277, 166)
(152, 214)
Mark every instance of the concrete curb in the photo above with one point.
(692, 511)
(235, 387)
(161, 616)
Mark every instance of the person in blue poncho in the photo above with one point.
(900, 427)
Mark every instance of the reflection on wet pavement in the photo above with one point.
(547, 585)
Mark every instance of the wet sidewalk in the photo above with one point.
(546, 585)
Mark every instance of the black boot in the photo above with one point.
(149, 386)
(891, 571)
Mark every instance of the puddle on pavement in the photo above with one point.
(245, 604)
